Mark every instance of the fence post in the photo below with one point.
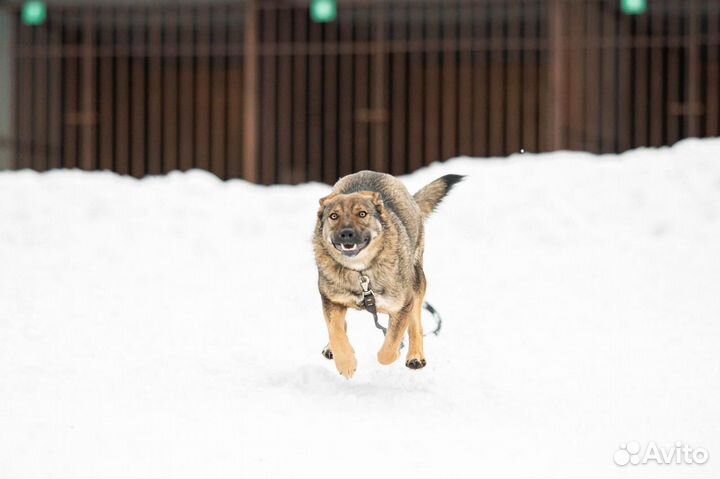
(558, 90)
(250, 126)
(7, 137)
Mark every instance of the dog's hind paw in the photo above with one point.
(327, 353)
(415, 363)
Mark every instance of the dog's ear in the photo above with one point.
(375, 197)
(325, 199)
(323, 202)
(378, 201)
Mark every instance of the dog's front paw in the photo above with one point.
(346, 365)
(386, 356)
(415, 363)
(327, 352)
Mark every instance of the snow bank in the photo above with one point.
(170, 327)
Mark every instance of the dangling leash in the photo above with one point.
(370, 306)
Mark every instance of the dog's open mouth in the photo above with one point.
(351, 249)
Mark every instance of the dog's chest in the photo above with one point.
(384, 302)
(387, 304)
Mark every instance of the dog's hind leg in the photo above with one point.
(340, 348)
(415, 357)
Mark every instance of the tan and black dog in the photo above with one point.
(371, 226)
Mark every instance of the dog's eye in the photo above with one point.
(334, 216)
(363, 214)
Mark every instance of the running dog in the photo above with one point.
(371, 228)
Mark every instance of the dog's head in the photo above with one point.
(350, 226)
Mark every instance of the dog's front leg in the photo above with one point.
(390, 350)
(341, 350)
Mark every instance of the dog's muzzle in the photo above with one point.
(349, 242)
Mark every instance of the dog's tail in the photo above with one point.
(431, 195)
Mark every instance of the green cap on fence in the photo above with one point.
(323, 11)
(633, 7)
(34, 13)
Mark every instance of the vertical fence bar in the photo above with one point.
(592, 52)
(218, 20)
(8, 88)
(480, 92)
(530, 79)
(378, 108)
(557, 58)
(235, 87)
(640, 61)
(464, 96)
(170, 91)
(268, 92)
(362, 104)
(497, 90)
(155, 93)
(300, 100)
(544, 85)
(55, 88)
(137, 92)
(676, 108)
(624, 98)
(285, 113)
(186, 110)
(416, 89)
(122, 56)
(202, 87)
(330, 95)
(347, 83)
(513, 107)
(575, 71)
(106, 90)
(692, 84)
(712, 98)
(657, 76)
(315, 98)
(432, 84)
(24, 95)
(40, 97)
(398, 92)
(88, 115)
(608, 91)
(448, 105)
(250, 103)
(71, 117)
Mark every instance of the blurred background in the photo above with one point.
(288, 91)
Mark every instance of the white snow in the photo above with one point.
(171, 327)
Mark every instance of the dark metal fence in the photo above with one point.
(257, 90)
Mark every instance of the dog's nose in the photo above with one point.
(347, 234)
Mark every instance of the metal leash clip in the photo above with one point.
(365, 283)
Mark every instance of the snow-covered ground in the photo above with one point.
(171, 327)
